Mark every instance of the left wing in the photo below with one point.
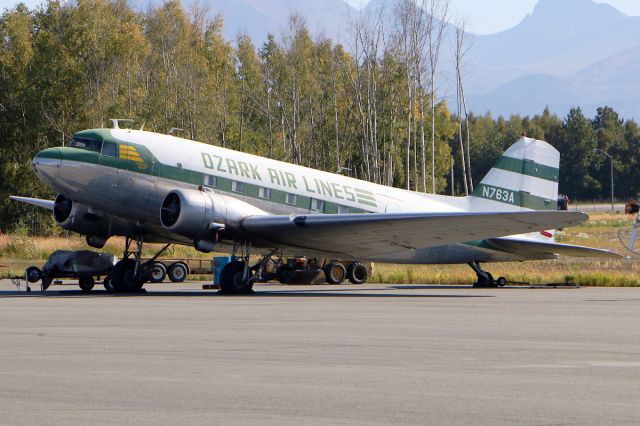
(379, 234)
(538, 249)
(47, 204)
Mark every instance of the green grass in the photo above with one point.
(19, 251)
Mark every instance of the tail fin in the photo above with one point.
(524, 178)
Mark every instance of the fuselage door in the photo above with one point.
(113, 175)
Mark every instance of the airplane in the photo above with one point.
(156, 188)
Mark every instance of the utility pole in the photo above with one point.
(611, 160)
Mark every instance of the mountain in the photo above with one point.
(565, 53)
(613, 81)
(559, 38)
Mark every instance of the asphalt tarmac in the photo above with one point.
(371, 354)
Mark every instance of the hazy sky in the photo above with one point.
(483, 16)
(491, 16)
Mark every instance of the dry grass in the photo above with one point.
(600, 231)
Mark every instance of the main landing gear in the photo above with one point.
(237, 277)
(485, 279)
(129, 275)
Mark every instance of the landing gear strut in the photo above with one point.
(485, 279)
(129, 275)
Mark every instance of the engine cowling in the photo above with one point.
(97, 226)
(201, 214)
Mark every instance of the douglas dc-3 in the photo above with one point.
(157, 188)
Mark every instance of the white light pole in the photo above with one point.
(611, 160)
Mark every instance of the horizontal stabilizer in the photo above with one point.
(534, 249)
(377, 234)
(46, 204)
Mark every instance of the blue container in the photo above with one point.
(218, 264)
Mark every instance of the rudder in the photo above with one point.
(525, 177)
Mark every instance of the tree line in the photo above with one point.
(368, 109)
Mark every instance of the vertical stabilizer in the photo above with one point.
(525, 177)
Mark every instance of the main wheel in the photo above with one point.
(232, 279)
(178, 272)
(158, 272)
(86, 283)
(123, 279)
(335, 272)
(357, 273)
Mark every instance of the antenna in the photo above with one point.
(116, 122)
(174, 129)
(142, 127)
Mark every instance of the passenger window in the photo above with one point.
(237, 186)
(110, 149)
(317, 205)
(291, 199)
(264, 193)
(86, 143)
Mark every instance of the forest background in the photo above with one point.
(370, 108)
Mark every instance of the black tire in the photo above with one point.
(32, 274)
(157, 272)
(485, 283)
(132, 283)
(284, 274)
(231, 281)
(501, 281)
(335, 272)
(357, 273)
(107, 284)
(122, 277)
(178, 272)
(86, 283)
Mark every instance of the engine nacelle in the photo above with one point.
(200, 214)
(98, 227)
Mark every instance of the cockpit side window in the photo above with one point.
(109, 149)
(86, 143)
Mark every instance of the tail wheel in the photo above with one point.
(357, 273)
(157, 272)
(501, 281)
(86, 283)
(335, 272)
(232, 279)
(178, 272)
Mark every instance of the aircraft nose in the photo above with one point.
(47, 161)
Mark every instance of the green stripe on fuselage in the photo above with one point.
(154, 168)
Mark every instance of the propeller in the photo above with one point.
(170, 210)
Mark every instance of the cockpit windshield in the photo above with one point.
(86, 143)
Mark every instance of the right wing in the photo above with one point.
(379, 234)
(46, 204)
